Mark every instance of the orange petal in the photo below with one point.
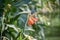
(35, 19)
(30, 22)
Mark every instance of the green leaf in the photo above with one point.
(22, 21)
(15, 18)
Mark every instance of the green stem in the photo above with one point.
(3, 25)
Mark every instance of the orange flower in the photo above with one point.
(32, 20)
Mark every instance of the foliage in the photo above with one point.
(15, 15)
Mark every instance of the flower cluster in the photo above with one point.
(31, 20)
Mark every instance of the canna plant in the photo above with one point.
(22, 20)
